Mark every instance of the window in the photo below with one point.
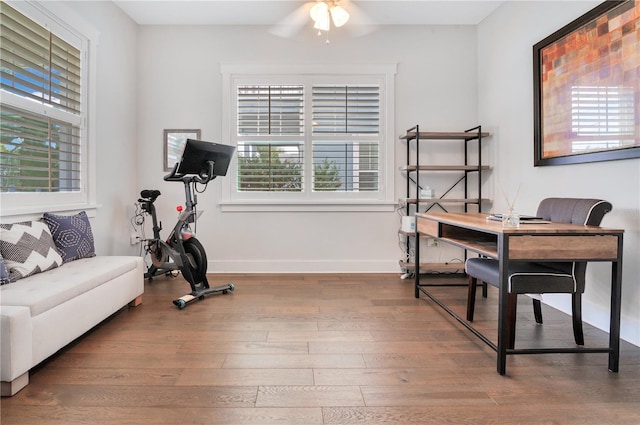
(346, 137)
(270, 130)
(43, 143)
(310, 140)
(39, 154)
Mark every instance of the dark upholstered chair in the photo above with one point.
(540, 278)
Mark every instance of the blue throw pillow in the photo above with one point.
(4, 273)
(72, 235)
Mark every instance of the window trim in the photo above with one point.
(24, 206)
(384, 200)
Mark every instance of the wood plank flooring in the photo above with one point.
(335, 349)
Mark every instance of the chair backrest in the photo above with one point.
(576, 211)
(573, 210)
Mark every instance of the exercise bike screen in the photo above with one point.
(197, 153)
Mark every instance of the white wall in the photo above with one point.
(116, 124)
(505, 75)
(180, 86)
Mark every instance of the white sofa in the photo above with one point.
(42, 313)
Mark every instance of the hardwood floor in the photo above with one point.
(322, 349)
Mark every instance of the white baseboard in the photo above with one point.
(319, 266)
(596, 316)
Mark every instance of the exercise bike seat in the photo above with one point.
(149, 195)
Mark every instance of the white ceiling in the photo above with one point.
(271, 12)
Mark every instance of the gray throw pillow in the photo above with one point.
(72, 235)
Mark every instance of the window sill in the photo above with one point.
(17, 215)
(271, 206)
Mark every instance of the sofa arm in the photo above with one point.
(16, 342)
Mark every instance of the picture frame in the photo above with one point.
(174, 141)
(587, 88)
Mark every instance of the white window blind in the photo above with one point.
(270, 128)
(348, 164)
(347, 109)
(39, 154)
(266, 109)
(346, 126)
(40, 138)
(37, 64)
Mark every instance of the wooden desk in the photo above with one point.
(530, 242)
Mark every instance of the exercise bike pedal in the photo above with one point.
(187, 299)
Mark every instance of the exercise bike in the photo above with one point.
(181, 251)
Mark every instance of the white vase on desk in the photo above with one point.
(510, 219)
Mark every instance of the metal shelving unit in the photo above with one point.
(472, 197)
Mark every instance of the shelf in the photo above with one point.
(404, 232)
(444, 168)
(445, 135)
(442, 200)
(411, 234)
(434, 267)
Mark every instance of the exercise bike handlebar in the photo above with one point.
(204, 177)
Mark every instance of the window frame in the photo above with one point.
(73, 28)
(234, 75)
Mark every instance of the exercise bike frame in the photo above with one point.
(172, 250)
(177, 256)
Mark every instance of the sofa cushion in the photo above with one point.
(72, 235)
(44, 291)
(4, 273)
(28, 248)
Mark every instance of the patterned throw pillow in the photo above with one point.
(28, 248)
(4, 273)
(72, 235)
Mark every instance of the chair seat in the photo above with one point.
(524, 277)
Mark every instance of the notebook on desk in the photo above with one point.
(523, 219)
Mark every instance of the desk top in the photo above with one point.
(479, 221)
(531, 241)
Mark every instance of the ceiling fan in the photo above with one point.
(325, 14)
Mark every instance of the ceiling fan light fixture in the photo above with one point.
(319, 11)
(339, 15)
(323, 22)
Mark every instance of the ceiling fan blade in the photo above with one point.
(361, 23)
(292, 23)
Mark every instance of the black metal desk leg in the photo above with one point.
(616, 299)
(503, 253)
